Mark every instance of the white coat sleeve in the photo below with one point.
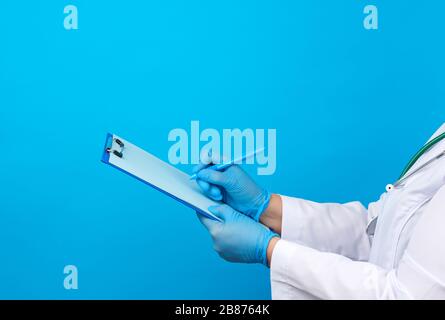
(329, 227)
(419, 275)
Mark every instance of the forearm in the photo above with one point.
(272, 216)
(330, 276)
(329, 227)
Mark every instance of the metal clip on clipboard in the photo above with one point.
(120, 145)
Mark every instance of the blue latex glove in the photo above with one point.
(237, 238)
(234, 187)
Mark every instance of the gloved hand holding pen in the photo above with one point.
(234, 187)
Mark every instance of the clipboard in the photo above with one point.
(156, 173)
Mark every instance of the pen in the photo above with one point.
(222, 166)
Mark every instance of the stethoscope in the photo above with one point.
(370, 229)
(404, 176)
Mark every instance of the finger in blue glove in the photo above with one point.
(236, 188)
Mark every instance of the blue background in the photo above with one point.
(350, 107)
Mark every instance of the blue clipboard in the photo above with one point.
(156, 173)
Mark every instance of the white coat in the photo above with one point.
(327, 250)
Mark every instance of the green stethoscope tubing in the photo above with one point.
(424, 149)
(402, 177)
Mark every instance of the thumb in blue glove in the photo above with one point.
(234, 187)
(238, 238)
